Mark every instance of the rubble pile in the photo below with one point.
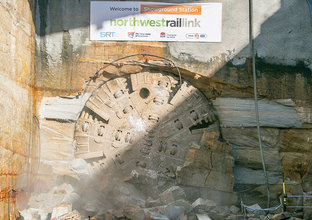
(144, 146)
(171, 204)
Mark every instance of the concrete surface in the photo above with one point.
(282, 31)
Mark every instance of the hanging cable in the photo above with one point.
(96, 75)
(252, 53)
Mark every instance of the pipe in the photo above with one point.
(252, 53)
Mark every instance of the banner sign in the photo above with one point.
(155, 21)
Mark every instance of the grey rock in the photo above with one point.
(149, 202)
(171, 211)
(134, 212)
(262, 217)
(235, 112)
(183, 203)
(203, 204)
(247, 137)
(144, 180)
(172, 194)
(68, 108)
(307, 201)
(175, 212)
(81, 168)
(245, 175)
(280, 216)
(255, 209)
(234, 209)
(203, 217)
(61, 209)
(34, 214)
(72, 197)
(235, 217)
(155, 216)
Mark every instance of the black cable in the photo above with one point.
(252, 53)
(96, 75)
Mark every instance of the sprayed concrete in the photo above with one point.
(63, 40)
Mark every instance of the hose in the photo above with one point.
(96, 75)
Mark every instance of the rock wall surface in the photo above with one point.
(67, 61)
(18, 150)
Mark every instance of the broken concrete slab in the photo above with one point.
(63, 108)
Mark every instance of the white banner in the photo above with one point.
(155, 21)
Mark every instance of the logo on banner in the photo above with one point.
(152, 21)
(196, 36)
(172, 36)
(142, 34)
(107, 34)
(131, 34)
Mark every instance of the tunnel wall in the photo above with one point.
(66, 58)
(17, 76)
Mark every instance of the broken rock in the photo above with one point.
(134, 212)
(155, 216)
(74, 215)
(203, 204)
(203, 217)
(172, 194)
(61, 209)
(183, 203)
(234, 209)
(152, 203)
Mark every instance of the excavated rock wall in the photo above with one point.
(66, 59)
(18, 149)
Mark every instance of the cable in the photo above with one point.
(9, 205)
(96, 75)
(252, 52)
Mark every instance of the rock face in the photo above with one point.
(150, 133)
(144, 147)
(234, 112)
